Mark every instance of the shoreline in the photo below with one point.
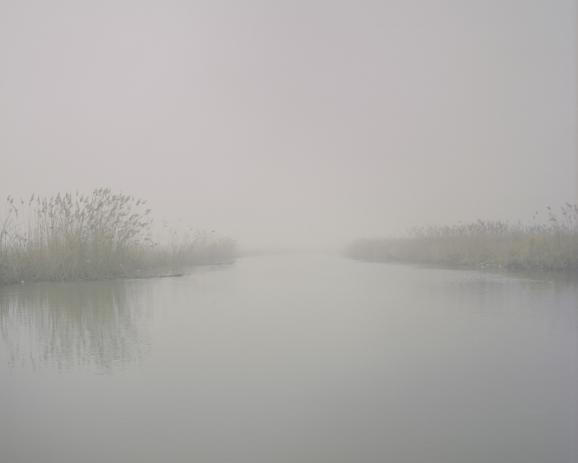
(131, 276)
(532, 273)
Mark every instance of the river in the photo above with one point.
(291, 358)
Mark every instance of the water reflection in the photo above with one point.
(293, 358)
(95, 324)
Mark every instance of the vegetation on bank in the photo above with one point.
(551, 246)
(94, 236)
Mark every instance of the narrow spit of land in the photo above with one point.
(550, 246)
(100, 235)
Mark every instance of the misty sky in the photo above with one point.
(300, 122)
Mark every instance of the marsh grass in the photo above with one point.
(94, 236)
(548, 246)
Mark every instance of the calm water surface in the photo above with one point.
(308, 359)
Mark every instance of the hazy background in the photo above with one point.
(295, 122)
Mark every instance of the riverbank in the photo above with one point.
(552, 246)
(101, 235)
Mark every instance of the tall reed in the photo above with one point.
(78, 236)
(552, 245)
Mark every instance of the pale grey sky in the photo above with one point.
(298, 121)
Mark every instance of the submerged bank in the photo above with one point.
(552, 246)
(101, 235)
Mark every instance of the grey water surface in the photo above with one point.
(296, 358)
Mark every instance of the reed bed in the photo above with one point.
(93, 236)
(548, 246)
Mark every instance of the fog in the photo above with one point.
(294, 123)
(254, 129)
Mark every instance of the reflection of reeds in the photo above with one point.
(87, 323)
(100, 235)
(549, 246)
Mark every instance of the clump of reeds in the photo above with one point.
(78, 236)
(552, 245)
(181, 249)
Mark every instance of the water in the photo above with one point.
(291, 359)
